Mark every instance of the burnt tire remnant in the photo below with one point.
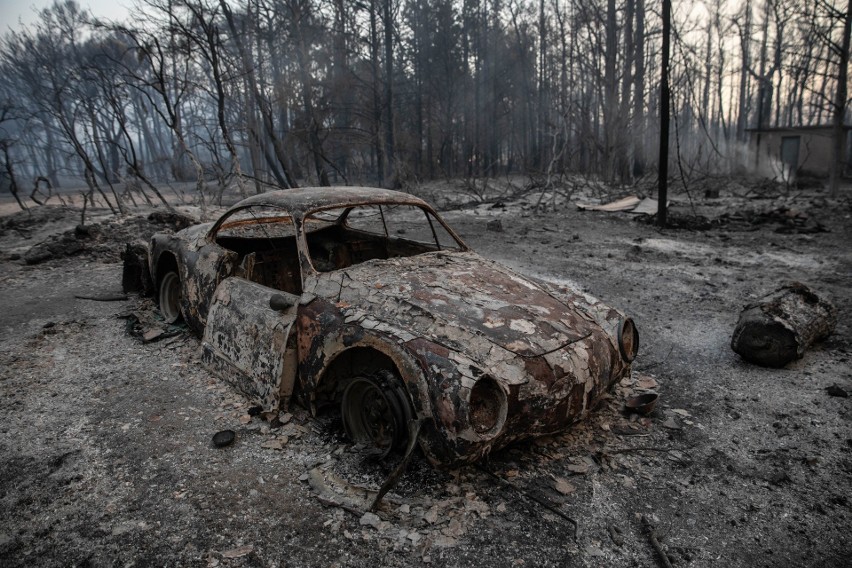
(782, 325)
(376, 412)
(169, 297)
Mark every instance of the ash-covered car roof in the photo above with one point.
(305, 199)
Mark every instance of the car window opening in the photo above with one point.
(374, 232)
(266, 243)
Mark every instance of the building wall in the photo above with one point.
(814, 156)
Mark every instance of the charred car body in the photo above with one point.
(366, 299)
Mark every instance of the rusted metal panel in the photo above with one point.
(248, 339)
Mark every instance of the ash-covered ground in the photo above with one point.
(106, 441)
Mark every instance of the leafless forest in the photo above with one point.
(391, 92)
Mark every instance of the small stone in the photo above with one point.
(245, 419)
(671, 424)
(495, 225)
(454, 529)
(431, 515)
(404, 509)
(647, 383)
(151, 335)
(615, 535)
(562, 486)
(271, 445)
(370, 520)
(444, 541)
(779, 477)
(835, 390)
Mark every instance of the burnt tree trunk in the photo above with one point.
(778, 328)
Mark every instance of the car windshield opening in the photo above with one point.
(368, 232)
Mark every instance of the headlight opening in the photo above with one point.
(628, 339)
(488, 407)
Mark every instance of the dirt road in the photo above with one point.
(107, 454)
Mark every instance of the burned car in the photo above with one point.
(367, 300)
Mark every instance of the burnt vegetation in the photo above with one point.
(394, 93)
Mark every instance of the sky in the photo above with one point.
(13, 11)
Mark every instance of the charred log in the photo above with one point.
(781, 326)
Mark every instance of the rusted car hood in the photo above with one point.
(467, 292)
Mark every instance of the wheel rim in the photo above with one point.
(376, 413)
(170, 297)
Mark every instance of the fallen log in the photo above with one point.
(782, 325)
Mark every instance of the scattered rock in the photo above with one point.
(238, 552)
(370, 520)
(495, 225)
(151, 335)
(671, 424)
(562, 486)
(835, 390)
(615, 535)
(431, 515)
(779, 477)
(272, 445)
(578, 468)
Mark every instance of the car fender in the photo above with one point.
(324, 334)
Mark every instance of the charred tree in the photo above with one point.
(838, 132)
(663, 170)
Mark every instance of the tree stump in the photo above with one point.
(136, 277)
(779, 328)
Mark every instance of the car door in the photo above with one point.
(250, 340)
(205, 268)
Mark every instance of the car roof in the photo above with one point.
(304, 199)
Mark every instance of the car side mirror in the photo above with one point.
(280, 302)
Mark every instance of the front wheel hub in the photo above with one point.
(376, 412)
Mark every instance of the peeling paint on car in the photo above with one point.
(441, 320)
